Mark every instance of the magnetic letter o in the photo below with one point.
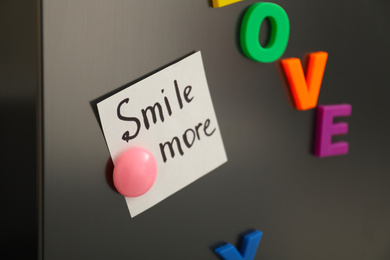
(250, 29)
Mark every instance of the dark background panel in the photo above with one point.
(18, 87)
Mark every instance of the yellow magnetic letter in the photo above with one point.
(221, 3)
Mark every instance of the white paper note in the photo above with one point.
(176, 107)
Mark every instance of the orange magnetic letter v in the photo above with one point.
(305, 91)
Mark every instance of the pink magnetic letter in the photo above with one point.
(325, 129)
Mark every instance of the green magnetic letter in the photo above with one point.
(250, 29)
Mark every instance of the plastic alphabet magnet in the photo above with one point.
(326, 129)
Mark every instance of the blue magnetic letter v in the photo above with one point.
(247, 251)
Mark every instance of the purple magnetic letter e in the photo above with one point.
(325, 129)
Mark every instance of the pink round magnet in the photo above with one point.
(135, 172)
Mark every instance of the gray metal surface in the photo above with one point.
(308, 208)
